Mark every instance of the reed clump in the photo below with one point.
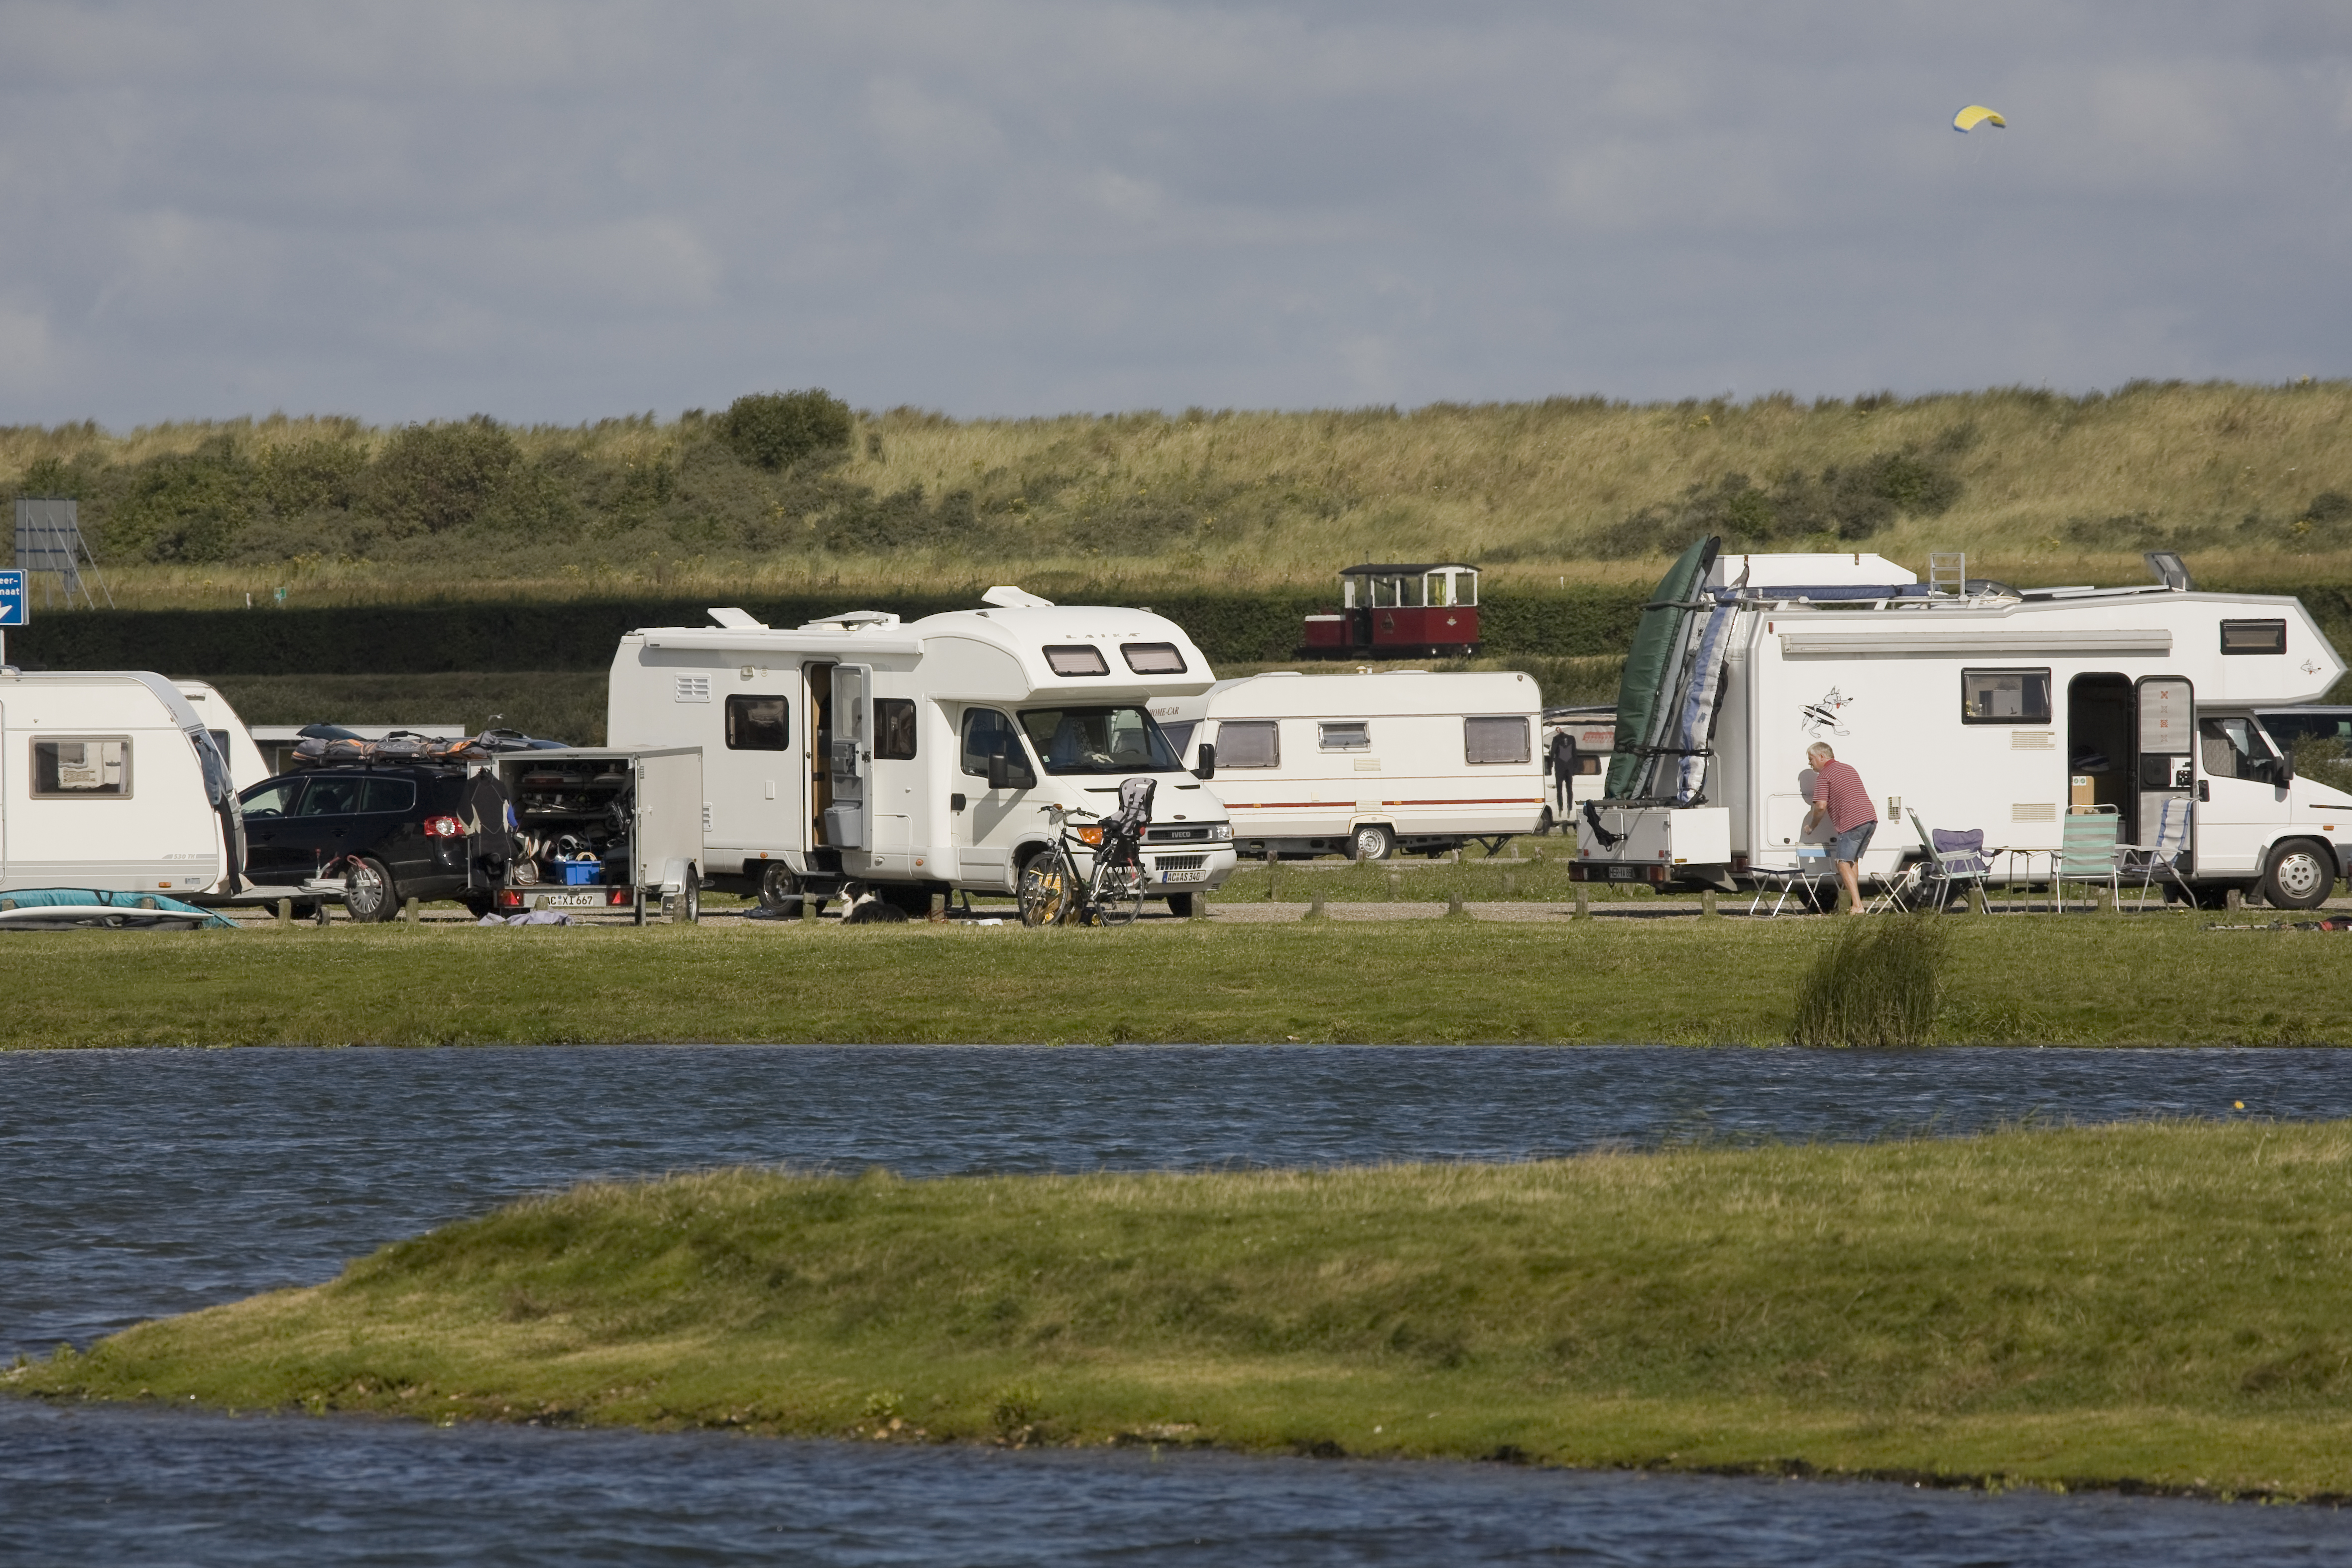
(1875, 982)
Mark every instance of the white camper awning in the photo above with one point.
(1991, 642)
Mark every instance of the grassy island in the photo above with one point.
(2154, 1305)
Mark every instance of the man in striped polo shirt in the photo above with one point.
(1838, 790)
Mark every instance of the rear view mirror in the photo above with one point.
(1208, 768)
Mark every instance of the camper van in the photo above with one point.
(923, 755)
(110, 781)
(245, 763)
(1367, 766)
(1971, 704)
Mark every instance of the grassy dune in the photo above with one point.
(2153, 980)
(2037, 487)
(2161, 1305)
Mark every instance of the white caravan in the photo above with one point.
(110, 781)
(923, 755)
(245, 763)
(1367, 765)
(1973, 704)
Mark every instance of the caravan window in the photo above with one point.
(1153, 658)
(2004, 696)
(1077, 660)
(987, 733)
(89, 768)
(2253, 636)
(1494, 740)
(1254, 744)
(758, 724)
(1348, 734)
(894, 728)
(1098, 740)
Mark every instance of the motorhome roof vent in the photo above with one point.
(737, 620)
(1006, 596)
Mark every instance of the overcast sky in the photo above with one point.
(556, 212)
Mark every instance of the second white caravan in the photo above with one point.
(1370, 765)
(922, 755)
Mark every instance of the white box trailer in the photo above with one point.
(922, 755)
(630, 817)
(1971, 704)
(110, 781)
(1369, 765)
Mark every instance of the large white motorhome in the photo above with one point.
(1367, 765)
(1971, 704)
(245, 763)
(110, 781)
(923, 755)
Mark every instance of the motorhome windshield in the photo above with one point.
(1098, 740)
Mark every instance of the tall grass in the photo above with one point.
(2037, 487)
(1874, 983)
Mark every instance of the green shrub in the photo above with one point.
(310, 477)
(1876, 982)
(1845, 503)
(186, 509)
(776, 430)
(431, 479)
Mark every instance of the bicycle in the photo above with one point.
(1052, 892)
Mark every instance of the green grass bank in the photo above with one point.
(2084, 979)
(2154, 1306)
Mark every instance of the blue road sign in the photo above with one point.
(13, 603)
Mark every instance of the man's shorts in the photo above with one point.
(1849, 845)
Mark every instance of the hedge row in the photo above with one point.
(580, 635)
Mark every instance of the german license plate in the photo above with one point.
(586, 898)
(1624, 873)
(1198, 873)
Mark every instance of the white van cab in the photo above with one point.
(922, 755)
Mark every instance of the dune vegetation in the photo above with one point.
(2152, 1305)
(785, 494)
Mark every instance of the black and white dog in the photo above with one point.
(865, 906)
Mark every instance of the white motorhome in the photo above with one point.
(109, 780)
(1367, 765)
(923, 755)
(245, 763)
(1973, 704)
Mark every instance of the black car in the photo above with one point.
(391, 834)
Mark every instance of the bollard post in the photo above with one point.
(1316, 911)
(1273, 880)
(285, 912)
(939, 912)
(1396, 885)
(1454, 910)
(408, 910)
(1583, 901)
(1707, 903)
(808, 905)
(1510, 885)
(2233, 901)
(1201, 904)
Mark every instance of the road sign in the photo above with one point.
(13, 606)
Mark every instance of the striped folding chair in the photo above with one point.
(2089, 853)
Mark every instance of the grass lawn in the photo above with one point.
(2153, 980)
(2159, 1304)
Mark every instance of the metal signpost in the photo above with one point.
(15, 607)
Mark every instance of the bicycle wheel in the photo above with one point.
(1116, 897)
(1044, 891)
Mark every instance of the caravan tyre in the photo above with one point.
(688, 907)
(2300, 875)
(777, 887)
(1371, 842)
(368, 891)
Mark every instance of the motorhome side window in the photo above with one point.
(1153, 658)
(1249, 744)
(758, 724)
(2004, 696)
(1494, 740)
(91, 768)
(894, 728)
(987, 733)
(2253, 636)
(1349, 735)
(1078, 659)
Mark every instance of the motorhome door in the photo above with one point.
(848, 820)
(2166, 761)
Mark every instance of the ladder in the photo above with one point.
(1947, 574)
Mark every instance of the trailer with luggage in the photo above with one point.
(604, 829)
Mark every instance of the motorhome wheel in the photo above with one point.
(1371, 842)
(2299, 876)
(778, 886)
(688, 907)
(1179, 905)
(367, 891)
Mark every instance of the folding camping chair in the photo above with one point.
(2088, 852)
(1956, 863)
(2162, 858)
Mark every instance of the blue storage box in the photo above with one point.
(585, 871)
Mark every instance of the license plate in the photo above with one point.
(587, 898)
(1624, 872)
(1198, 873)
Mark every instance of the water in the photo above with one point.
(140, 1184)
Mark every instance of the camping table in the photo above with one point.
(1789, 878)
(2009, 879)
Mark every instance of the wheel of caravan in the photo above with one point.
(1119, 895)
(688, 907)
(1371, 842)
(2300, 875)
(1044, 891)
(777, 884)
(368, 891)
